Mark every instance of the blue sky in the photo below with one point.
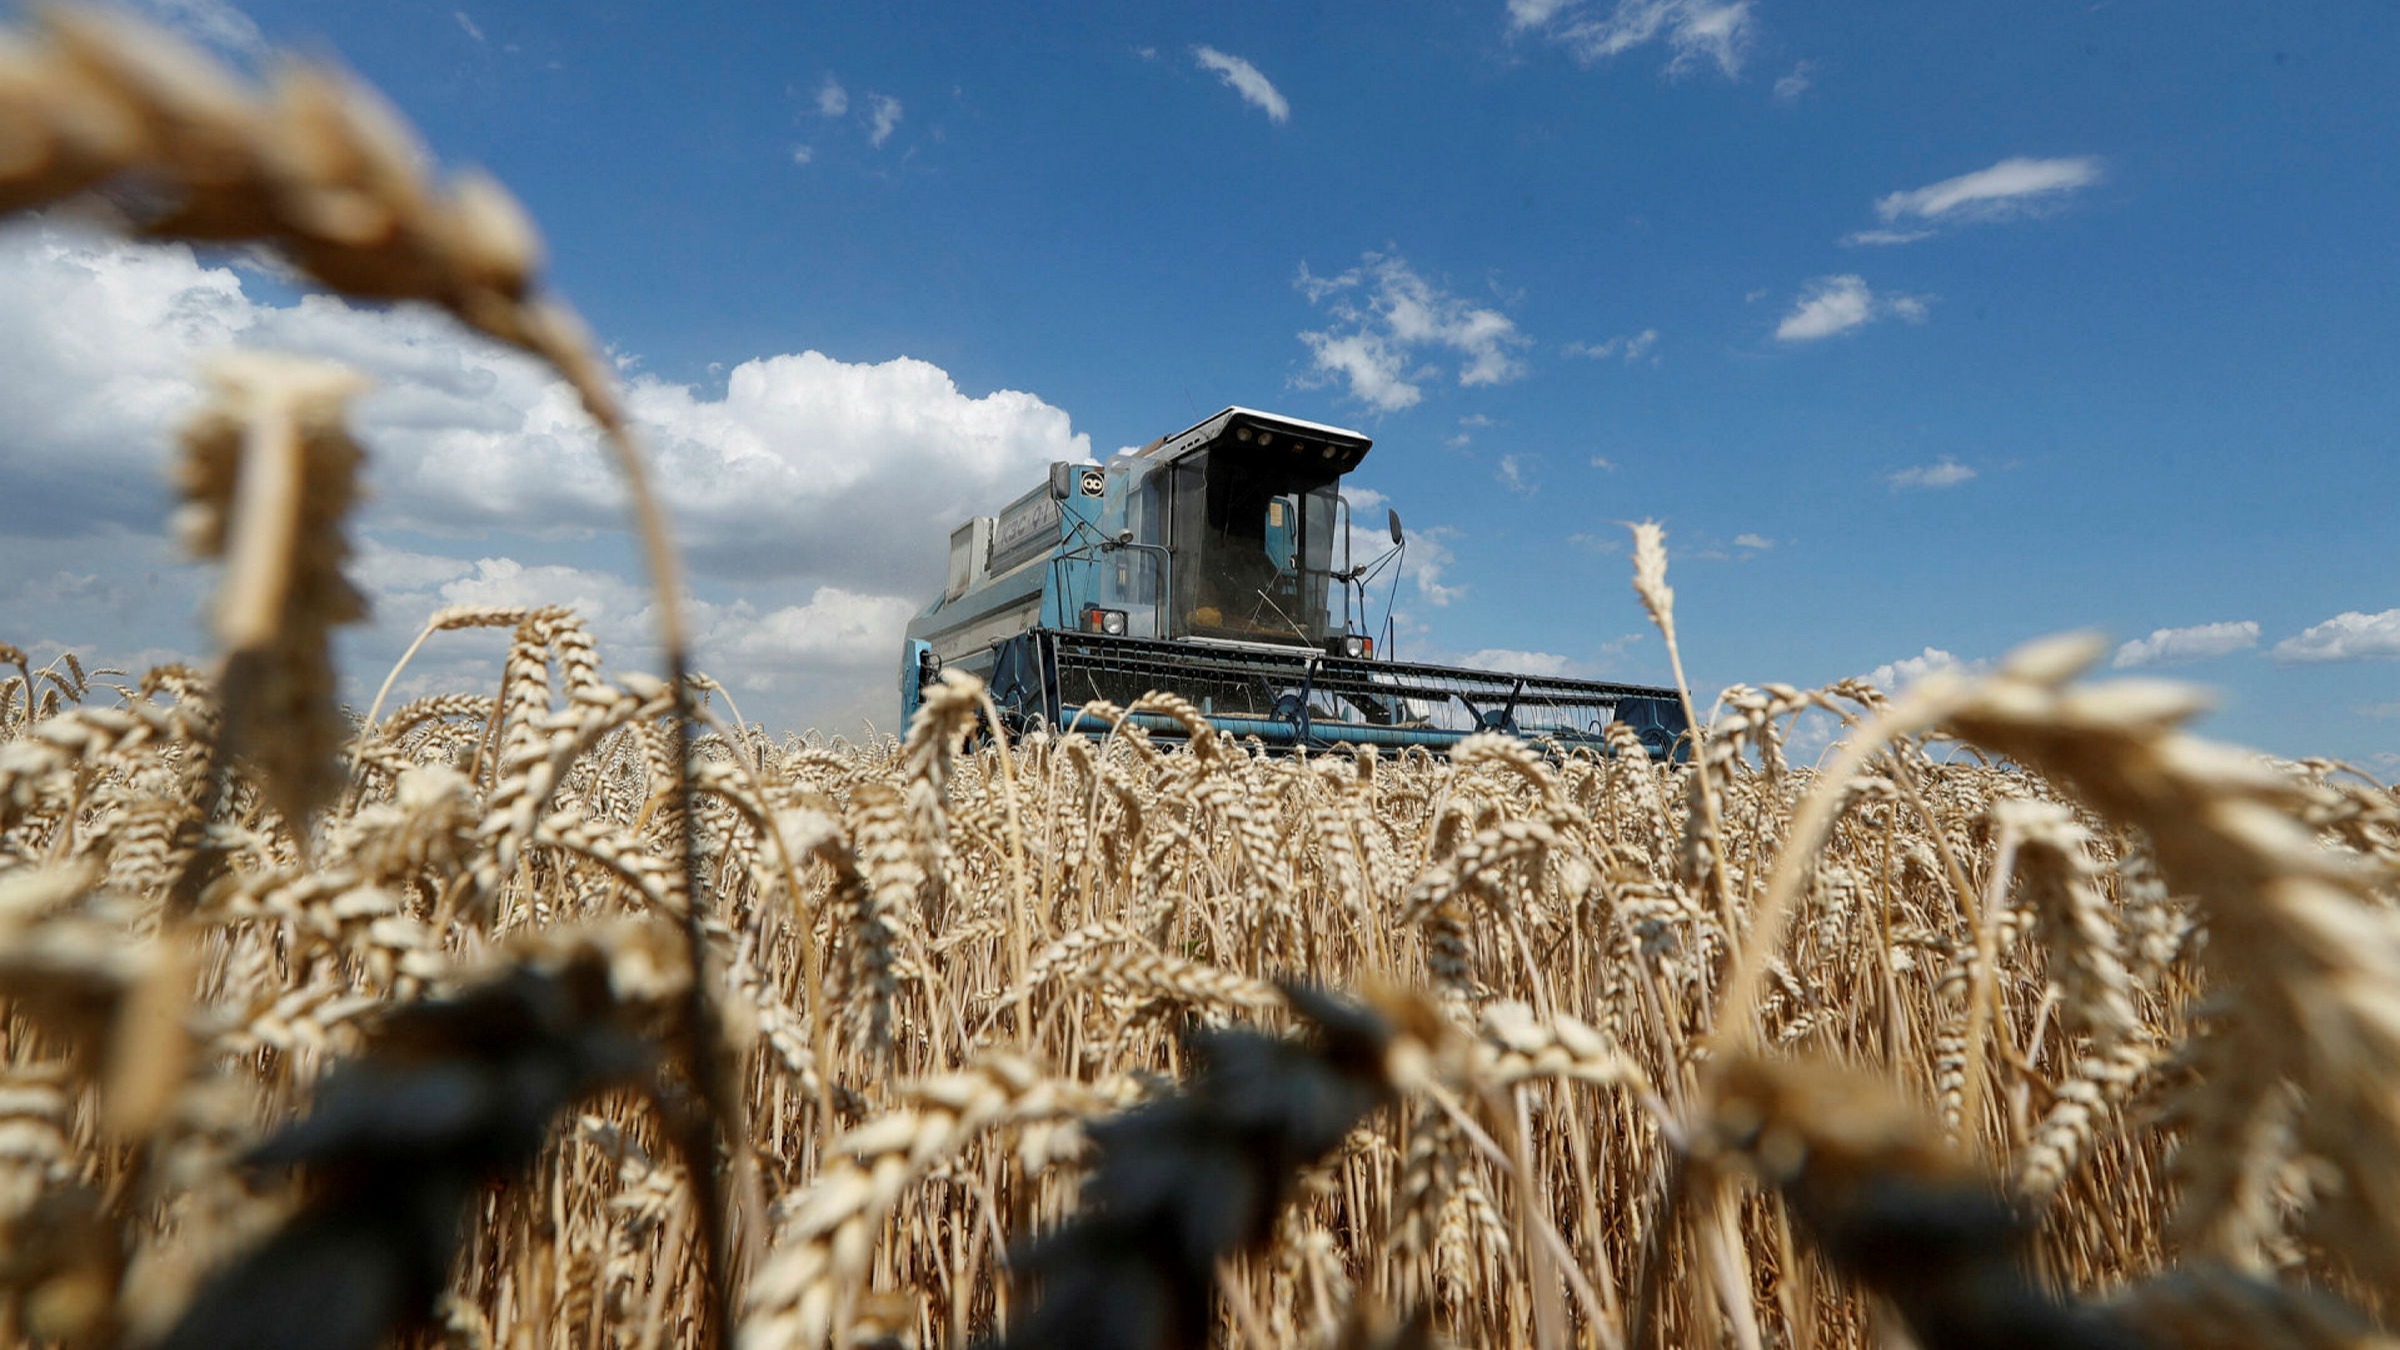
(1924, 330)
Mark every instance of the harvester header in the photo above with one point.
(1217, 564)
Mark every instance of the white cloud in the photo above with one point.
(1244, 79)
(800, 475)
(2349, 636)
(1371, 366)
(838, 646)
(1384, 314)
(1369, 535)
(211, 23)
(1892, 676)
(1429, 560)
(1631, 348)
(1811, 733)
(1792, 86)
(2013, 187)
(1604, 464)
(1468, 426)
(1534, 13)
(380, 568)
(1837, 304)
(1714, 31)
(883, 118)
(1755, 541)
(1884, 238)
(1513, 475)
(606, 600)
(2176, 646)
(832, 99)
(802, 154)
(2379, 711)
(1509, 661)
(835, 627)
(1947, 473)
(472, 29)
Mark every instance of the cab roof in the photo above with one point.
(1345, 445)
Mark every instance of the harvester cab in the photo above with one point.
(1218, 564)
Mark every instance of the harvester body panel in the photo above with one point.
(1215, 564)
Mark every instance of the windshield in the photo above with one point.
(1254, 550)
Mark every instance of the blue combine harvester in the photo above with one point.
(1216, 564)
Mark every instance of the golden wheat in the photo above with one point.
(1690, 1032)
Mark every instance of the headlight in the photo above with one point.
(1354, 646)
(1109, 621)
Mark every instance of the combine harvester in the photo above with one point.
(1215, 564)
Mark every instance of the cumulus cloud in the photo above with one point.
(1373, 367)
(2178, 646)
(1422, 566)
(1629, 348)
(802, 464)
(1509, 661)
(802, 475)
(1946, 473)
(1428, 563)
(1385, 314)
(2014, 187)
(2349, 636)
(835, 628)
(1892, 676)
(1792, 86)
(1838, 304)
(832, 99)
(883, 118)
(1716, 32)
(830, 655)
(1244, 79)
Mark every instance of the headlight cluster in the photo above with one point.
(1109, 621)
(1355, 647)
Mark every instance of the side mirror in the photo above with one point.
(1394, 518)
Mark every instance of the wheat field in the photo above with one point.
(573, 1011)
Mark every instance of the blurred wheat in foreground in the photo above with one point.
(579, 1016)
(2063, 1050)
